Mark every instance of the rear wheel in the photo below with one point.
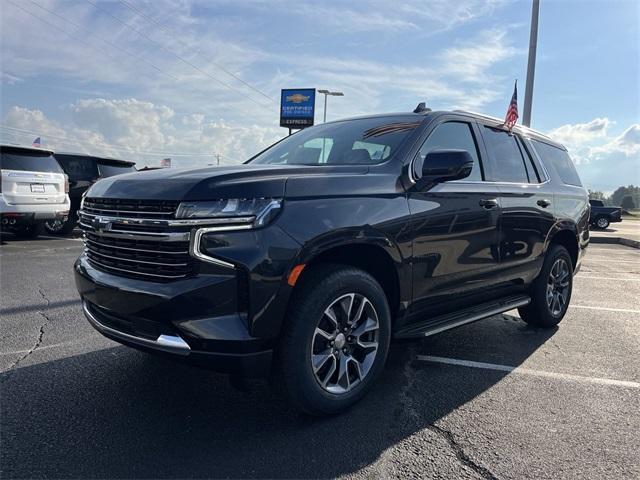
(335, 340)
(602, 222)
(551, 291)
(58, 226)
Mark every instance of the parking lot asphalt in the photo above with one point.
(494, 399)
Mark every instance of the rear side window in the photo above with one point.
(508, 163)
(78, 167)
(110, 170)
(560, 161)
(596, 203)
(454, 135)
(31, 162)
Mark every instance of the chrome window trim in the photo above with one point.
(194, 246)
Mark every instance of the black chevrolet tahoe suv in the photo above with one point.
(306, 261)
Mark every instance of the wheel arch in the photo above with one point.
(376, 255)
(565, 234)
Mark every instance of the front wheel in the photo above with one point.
(335, 339)
(551, 291)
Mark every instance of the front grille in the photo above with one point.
(128, 241)
(116, 207)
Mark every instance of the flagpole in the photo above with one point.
(531, 64)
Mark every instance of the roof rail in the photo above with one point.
(499, 120)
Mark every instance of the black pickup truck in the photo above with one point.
(601, 216)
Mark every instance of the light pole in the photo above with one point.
(326, 94)
(531, 64)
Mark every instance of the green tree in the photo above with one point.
(621, 192)
(628, 203)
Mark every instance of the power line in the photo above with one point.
(68, 141)
(185, 61)
(198, 52)
(113, 45)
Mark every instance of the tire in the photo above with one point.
(58, 227)
(602, 223)
(29, 232)
(551, 291)
(324, 292)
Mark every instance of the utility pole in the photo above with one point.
(531, 63)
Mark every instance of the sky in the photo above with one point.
(190, 79)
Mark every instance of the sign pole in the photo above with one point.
(531, 64)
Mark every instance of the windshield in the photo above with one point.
(32, 162)
(366, 141)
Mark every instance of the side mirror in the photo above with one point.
(446, 165)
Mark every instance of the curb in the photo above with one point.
(616, 241)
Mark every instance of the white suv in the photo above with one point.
(33, 189)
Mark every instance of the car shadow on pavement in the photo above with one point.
(120, 413)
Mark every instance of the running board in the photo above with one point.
(461, 317)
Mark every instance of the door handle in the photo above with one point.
(489, 203)
(543, 202)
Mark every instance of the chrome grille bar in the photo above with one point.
(106, 245)
(122, 259)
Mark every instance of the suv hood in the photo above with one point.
(241, 181)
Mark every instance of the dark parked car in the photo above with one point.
(602, 216)
(83, 171)
(307, 260)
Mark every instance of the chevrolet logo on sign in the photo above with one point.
(101, 224)
(297, 98)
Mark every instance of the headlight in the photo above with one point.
(259, 211)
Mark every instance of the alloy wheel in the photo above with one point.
(558, 285)
(602, 223)
(55, 225)
(345, 343)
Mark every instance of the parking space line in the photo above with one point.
(527, 371)
(605, 309)
(609, 260)
(60, 238)
(610, 278)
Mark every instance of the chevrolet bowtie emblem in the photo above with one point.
(297, 98)
(101, 224)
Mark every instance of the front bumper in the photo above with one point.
(191, 320)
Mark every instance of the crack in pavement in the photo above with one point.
(408, 403)
(38, 341)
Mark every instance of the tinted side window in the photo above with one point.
(508, 164)
(78, 167)
(560, 162)
(535, 175)
(454, 135)
(596, 203)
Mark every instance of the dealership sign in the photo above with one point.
(297, 107)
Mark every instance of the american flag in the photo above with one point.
(37, 143)
(512, 112)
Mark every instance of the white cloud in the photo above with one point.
(140, 131)
(604, 162)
